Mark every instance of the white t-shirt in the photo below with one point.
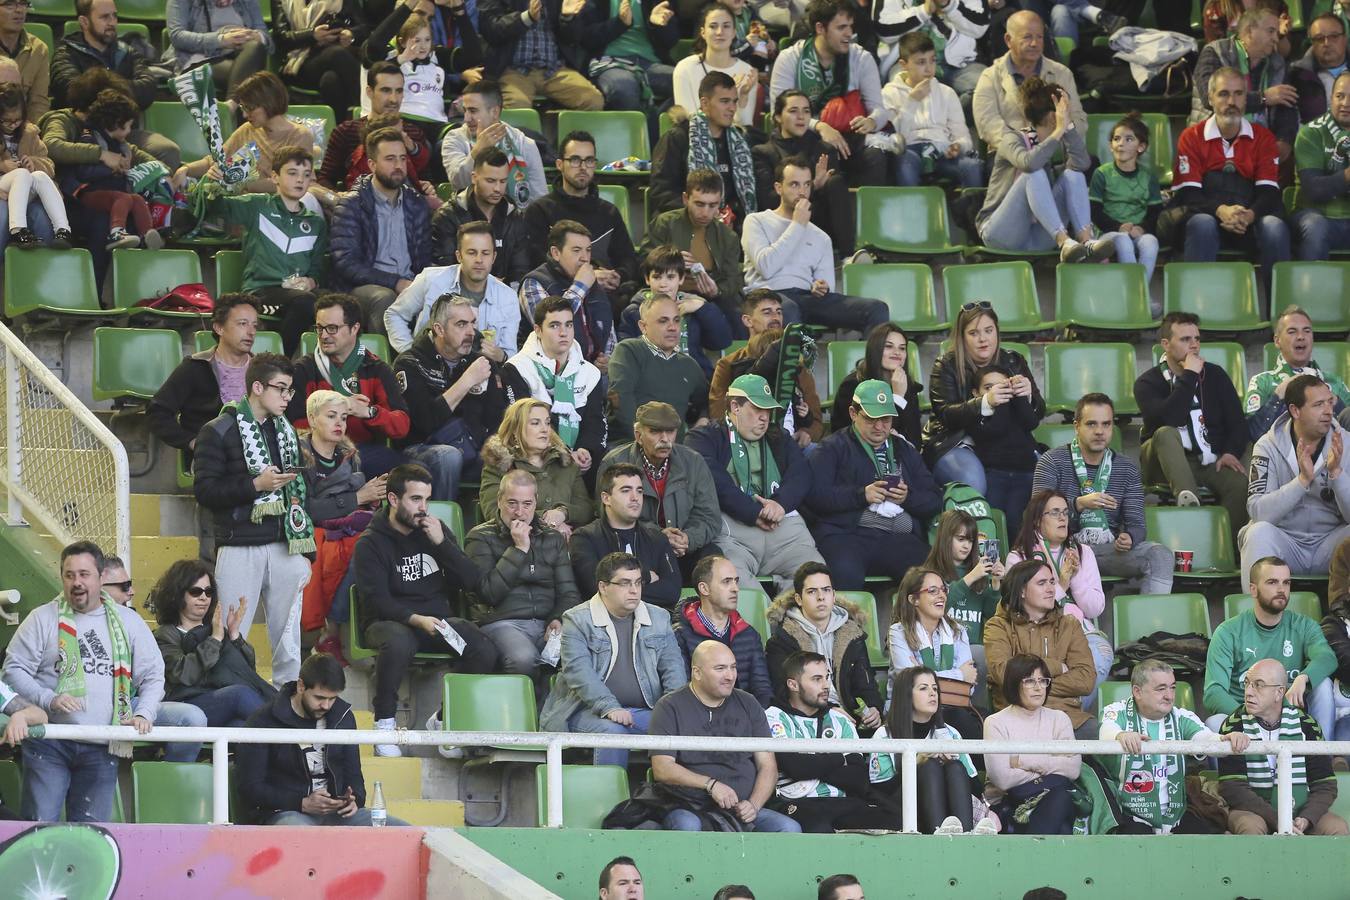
(690, 71)
(316, 758)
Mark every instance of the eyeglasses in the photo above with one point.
(976, 304)
(581, 162)
(1036, 682)
(1318, 39)
(1056, 513)
(935, 591)
(123, 586)
(284, 390)
(626, 584)
(196, 592)
(1261, 685)
(16, 4)
(330, 330)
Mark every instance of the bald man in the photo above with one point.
(997, 106)
(717, 789)
(1247, 783)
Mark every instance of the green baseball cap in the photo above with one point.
(755, 389)
(875, 398)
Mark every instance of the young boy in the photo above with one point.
(703, 325)
(1125, 197)
(285, 243)
(1004, 443)
(927, 115)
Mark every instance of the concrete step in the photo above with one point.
(427, 813)
(400, 776)
(163, 514)
(262, 647)
(151, 556)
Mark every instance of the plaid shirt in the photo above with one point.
(537, 49)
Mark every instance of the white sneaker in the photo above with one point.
(387, 749)
(1072, 251)
(446, 750)
(862, 258)
(987, 825)
(950, 825)
(1187, 498)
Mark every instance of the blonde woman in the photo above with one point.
(526, 440)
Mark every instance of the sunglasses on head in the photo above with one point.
(976, 304)
(194, 592)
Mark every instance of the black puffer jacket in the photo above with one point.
(223, 485)
(515, 585)
(955, 411)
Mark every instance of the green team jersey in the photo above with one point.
(1151, 786)
(1262, 385)
(787, 723)
(1324, 147)
(1241, 641)
(969, 608)
(277, 242)
(1125, 196)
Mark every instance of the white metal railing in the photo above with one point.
(555, 742)
(60, 463)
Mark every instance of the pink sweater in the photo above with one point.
(1016, 723)
(1086, 586)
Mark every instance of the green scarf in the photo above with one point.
(562, 388)
(197, 92)
(819, 84)
(517, 172)
(70, 670)
(1261, 768)
(1245, 67)
(890, 467)
(703, 155)
(741, 469)
(1152, 785)
(289, 500)
(946, 655)
(1095, 525)
(345, 383)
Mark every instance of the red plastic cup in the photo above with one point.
(1185, 560)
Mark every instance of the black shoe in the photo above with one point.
(23, 238)
(62, 240)
(1110, 23)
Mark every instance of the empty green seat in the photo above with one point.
(1305, 603)
(132, 363)
(141, 10)
(753, 607)
(618, 195)
(54, 9)
(525, 117)
(904, 220)
(263, 341)
(1203, 530)
(1227, 355)
(1072, 370)
(452, 514)
(229, 271)
(1139, 615)
(906, 289)
(172, 120)
(1158, 156)
(1333, 356)
(60, 282)
(148, 274)
(589, 793)
(11, 783)
(1111, 691)
(171, 793)
(1009, 286)
(374, 343)
(488, 703)
(1057, 434)
(1110, 298)
(1321, 288)
(618, 133)
(841, 357)
(1222, 294)
(876, 631)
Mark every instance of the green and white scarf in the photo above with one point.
(942, 660)
(197, 92)
(517, 170)
(820, 85)
(1245, 67)
(1261, 767)
(345, 383)
(1152, 785)
(287, 501)
(741, 469)
(703, 155)
(563, 390)
(70, 668)
(1095, 524)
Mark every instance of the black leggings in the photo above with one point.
(296, 309)
(335, 72)
(944, 790)
(396, 644)
(227, 73)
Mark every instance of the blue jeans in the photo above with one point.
(1318, 235)
(1142, 250)
(377, 458)
(228, 707)
(1064, 18)
(1268, 236)
(833, 310)
(642, 719)
(1033, 197)
(622, 91)
(1102, 656)
(518, 643)
(1008, 491)
(766, 822)
(77, 777)
(180, 715)
(961, 464)
(963, 81)
(38, 222)
(360, 818)
(444, 462)
(967, 171)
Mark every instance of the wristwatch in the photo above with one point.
(372, 411)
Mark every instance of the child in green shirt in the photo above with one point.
(1125, 197)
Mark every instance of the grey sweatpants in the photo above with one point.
(272, 578)
(776, 553)
(1306, 554)
(1149, 561)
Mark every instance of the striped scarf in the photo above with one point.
(1261, 766)
(70, 668)
(1152, 785)
(288, 501)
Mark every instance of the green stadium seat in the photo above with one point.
(1321, 288)
(1057, 434)
(445, 190)
(663, 124)
(1072, 370)
(147, 274)
(618, 195)
(171, 793)
(59, 282)
(907, 290)
(1066, 46)
(525, 117)
(374, 343)
(1160, 143)
(263, 341)
(682, 48)
(841, 357)
(1227, 355)
(54, 9)
(1222, 294)
(141, 10)
(754, 609)
(1304, 602)
(876, 631)
(132, 363)
(452, 514)
(904, 220)
(356, 650)
(1333, 356)
(314, 111)
(617, 133)
(1139, 615)
(1204, 530)
(1009, 286)
(589, 793)
(229, 271)
(488, 703)
(43, 32)
(1109, 298)
(11, 783)
(1111, 691)
(172, 119)
(123, 29)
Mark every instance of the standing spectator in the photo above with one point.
(923, 633)
(973, 575)
(628, 45)
(1003, 441)
(567, 272)
(526, 441)
(1314, 75)
(955, 28)
(229, 34)
(713, 53)
(247, 475)
(620, 529)
(886, 358)
(997, 106)
(1265, 399)
(1254, 53)
(712, 615)
(652, 368)
(485, 200)
(407, 563)
(708, 139)
(1194, 432)
(31, 55)
(534, 48)
(928, 117)
(321, 41)
(1126, 198)
(86, 661)
(384, 91)
(1322, 160)
(1066, 15)
(483, 128)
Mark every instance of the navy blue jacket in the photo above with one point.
(752, 665)
(354, 237)
(713, 444)
(841, 469)
(708, 330)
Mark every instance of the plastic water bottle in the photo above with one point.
(378, 814)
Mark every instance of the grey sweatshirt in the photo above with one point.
(30, 666)
(781, 254)
(1274, 494)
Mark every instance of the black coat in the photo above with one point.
(612, 247)
(73, 57)
(595, 540)
(514, 258)
(955, 411)
(502, 28)
(223, 485)
(670, 169)
(1170, 404)
(187, 400)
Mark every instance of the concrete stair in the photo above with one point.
(163, 531)
(400, 776)
(427, 813)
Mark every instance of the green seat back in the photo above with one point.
(876, 631)
(1111, 691)
(133, 362)
(43, 32)
(1227, 355)
(618, 195)
(53, 9)
(1305, 603)
(452, 514)
(1333, 356)
(60, 281)
(1321, 288)
(1057, 434)
(753, 606)
(682, 48)
(525, 117)
(263, 341)
(1222, 294)
(356, 650)
(1113, 297)
(589, 793)
(314, 111)
(1204, 530)
(1158, 156)
(1072, 370)
(123, 28)
(663, 124)
(172, 119)
(1138, 615)
(617, 133)
(11, 783)
(488, 703)
(374, 343)
(1009, 286)
(229, 271)
(141, 10)
(146, 274)
(171, 793)
(906, 289)
(904, 220)
(842, 356)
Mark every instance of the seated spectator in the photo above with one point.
(384, 91)
(825, 792)
(85, 660)
(285, 244)
(97, 45)
(406, 564)
(484, 200)
(232, 37)
(320, 785)
(1150, 788)
(1253, 51)
(567, 272)
(840, 887)
(1315, 73)
(762, 479)
(1107, 512)
(1003, 441)
(652, 368)
(27, 188)
(321, 46)
(753, 42)
(869, 492)
(1247, 783)
(708, 139)
(455, 399)
(885, 359)
(928, 117)
(470, 277)
(526, 441)
(714, 41)
(208, 661)
(483, 128)
(1193, 433)
(534, 49)
(957, 26)
(711, 615)
(1030, 620)
(792, 135)
(1025, 183)
(715, 789)
(1067, 15)
(628, 49)
(678, 490)
(198, 386)
(32, 58)
(575, 198)
(525, 579)
(968, 563)
(1226, 191)
(1268, 627)
(1219, 19)
(620, 529)
(830, 65)
(618, 659)
(923, 633)
(1294, 338)
(1013, 779)
(376, 410)
(786, 253)
(1323, 221)
(703, 327)
(621, 880)
(1125, 199)
(810, 616)
(1336, 629)
(446, 49)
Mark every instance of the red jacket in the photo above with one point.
(376, 380)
